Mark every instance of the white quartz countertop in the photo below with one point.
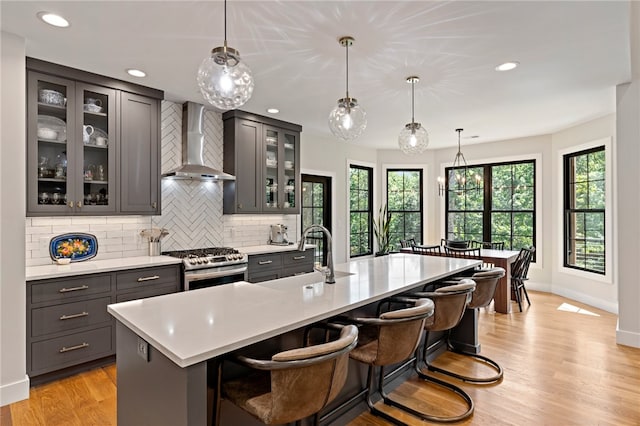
(95, 266)
(269, 248)
(193, 326)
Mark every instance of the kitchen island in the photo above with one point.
(163, 344)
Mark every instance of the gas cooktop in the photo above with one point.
(208, 257)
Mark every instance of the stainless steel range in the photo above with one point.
(211, 266)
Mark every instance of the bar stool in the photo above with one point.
(486, 283)
(294, 384)
(450, 303)
(391, 338)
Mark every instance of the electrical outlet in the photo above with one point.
(143, 349)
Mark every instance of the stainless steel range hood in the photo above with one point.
(193, 166)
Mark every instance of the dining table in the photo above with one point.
(500, 258)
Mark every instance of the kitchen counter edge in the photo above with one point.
(42, 272)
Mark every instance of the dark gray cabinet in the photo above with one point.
(271, 266)
(68, 326)
(264, 155)
(92, 143)
(139, 180)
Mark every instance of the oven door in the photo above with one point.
(210, 277)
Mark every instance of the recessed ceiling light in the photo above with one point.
(53, 19)
(507, 66)
(136, 73)
(273, 110)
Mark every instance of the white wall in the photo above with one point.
(14, 383)
(321, 153)
(628, 226)
(593, 289)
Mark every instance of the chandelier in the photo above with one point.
(347, 120)
(413, 138)
(460, 169)
(224, 80)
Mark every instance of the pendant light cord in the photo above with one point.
(225, 24)
(347, 47)
(413, 84)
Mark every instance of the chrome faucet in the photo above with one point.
(329, 275)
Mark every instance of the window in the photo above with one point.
(584, 206)
(493, 202)
(404, 204)
(360, 210)
(316, 209)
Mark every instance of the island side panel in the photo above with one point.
(157, 392)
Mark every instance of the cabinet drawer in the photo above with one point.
(156, 291)
(295, 258)
(262, 262)
(59, 290)
(69, 350)
(264, 276)
(146, 278)
(69, 316)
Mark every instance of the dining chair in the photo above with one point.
(519, 271)
(494, 245)
(460, 244)
(409, 242)
(293, 384)
(467, 253)
(419, 249)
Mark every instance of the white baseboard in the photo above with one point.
(13, 392)
(611, 307)
(627, 338)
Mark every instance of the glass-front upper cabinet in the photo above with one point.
(281, 182)
(69, 173)
(273, 160)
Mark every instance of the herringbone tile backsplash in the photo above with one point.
(191, 211)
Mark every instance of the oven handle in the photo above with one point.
(197, 276)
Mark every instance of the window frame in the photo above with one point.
(487, 206)
(421, 196)
(370, 169)
(568, 179)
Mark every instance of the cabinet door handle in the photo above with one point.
(79, 204)
(298, 257)
(74, 348)
(151, 278)
(66, 290)
(81, 314)
(70, 204)
(240, 205)
(265, 262)
(154, 205)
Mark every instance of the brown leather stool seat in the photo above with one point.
(294, 384)
(389, 339)
(486, 283)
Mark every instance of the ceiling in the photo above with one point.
(572, 54)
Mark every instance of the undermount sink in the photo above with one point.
(341, 274)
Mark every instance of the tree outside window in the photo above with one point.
(492, 202)
(584, 199)
(405, 205)
(360, 210)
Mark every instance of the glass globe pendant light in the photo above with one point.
(413, 139)
(347, 120)
(224, 80)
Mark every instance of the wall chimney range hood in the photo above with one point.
(193, 166)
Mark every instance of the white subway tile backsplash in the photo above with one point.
(50, 221)
(88, 220)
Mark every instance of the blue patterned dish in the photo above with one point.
(74, 246)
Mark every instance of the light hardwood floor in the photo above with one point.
(561, 368)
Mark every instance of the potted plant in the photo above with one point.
(381, 231)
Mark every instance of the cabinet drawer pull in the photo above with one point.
(265, 262)
(81, 314)
(66, 290)
(151, 278)
(298, 257)
(74, 348)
